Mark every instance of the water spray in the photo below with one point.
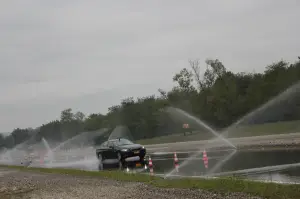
(221, 163)
(215, 133)
(285, 94)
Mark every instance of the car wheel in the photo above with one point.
(100, 161)
(142, 158)
(120, 163)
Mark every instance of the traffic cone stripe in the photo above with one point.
(205, 159)
(150, 166)
(176, 162)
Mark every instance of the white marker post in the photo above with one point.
(185, 126)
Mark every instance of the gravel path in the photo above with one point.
(17, 184)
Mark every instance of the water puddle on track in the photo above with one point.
(264, 165)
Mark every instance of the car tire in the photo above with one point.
(142, 158)
(100, 161)
(120, 161)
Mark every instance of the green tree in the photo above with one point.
(216, 95)
(50, 131)
(185, 80)
(79, 116)
(1, 141)
(94, 122)
(66, 115)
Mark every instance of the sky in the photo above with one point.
(88, 55)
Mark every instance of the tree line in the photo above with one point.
(217, 96)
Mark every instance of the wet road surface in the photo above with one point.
(265, 162)
(275, 165)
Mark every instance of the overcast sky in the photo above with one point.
(88, 55)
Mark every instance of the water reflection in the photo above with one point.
(242, 160)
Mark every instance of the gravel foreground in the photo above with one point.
(20, 184)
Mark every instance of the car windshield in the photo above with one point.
(121, 142)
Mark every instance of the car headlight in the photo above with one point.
(124, 150)
(143, 147)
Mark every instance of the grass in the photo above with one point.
(241, 131)
(267, 129)
(221, 185)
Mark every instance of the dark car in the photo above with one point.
(27, 159)
(122, 153)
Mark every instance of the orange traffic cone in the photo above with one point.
(205, 159)
(150, 166)
(176, 162)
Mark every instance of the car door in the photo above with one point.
(112, 150)
(104, 150)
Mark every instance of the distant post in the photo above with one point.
(185, 127)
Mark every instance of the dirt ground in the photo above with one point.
(19, 184)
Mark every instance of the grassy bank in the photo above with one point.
(223, 185)
(241, 131)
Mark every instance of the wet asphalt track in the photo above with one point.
(276, 165)
(17, 184)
